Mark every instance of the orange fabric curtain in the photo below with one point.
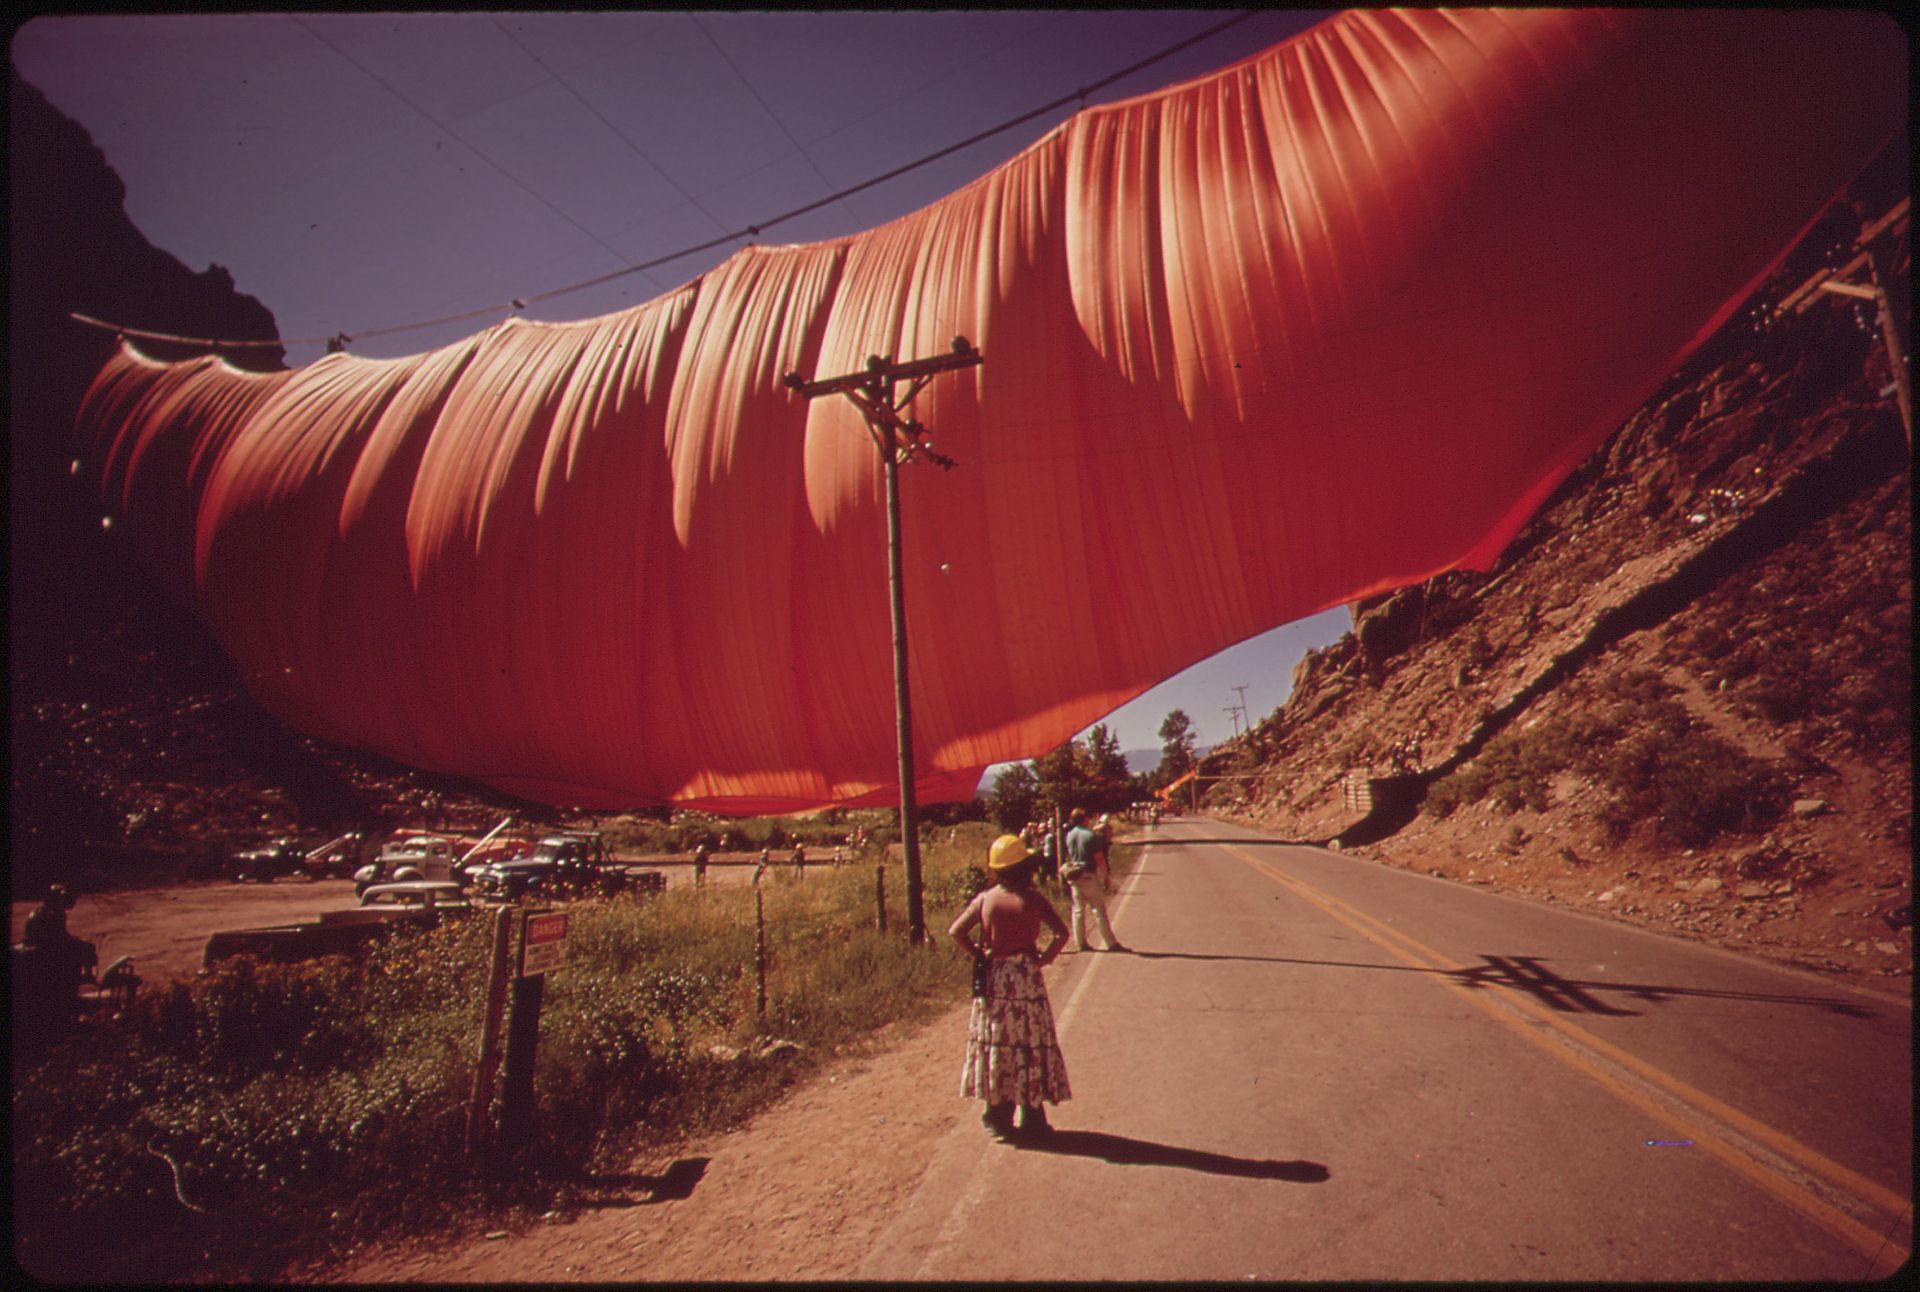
(1327, 322)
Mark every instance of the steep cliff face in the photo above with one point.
(133, 747)
(74, 249)
(1684, 695)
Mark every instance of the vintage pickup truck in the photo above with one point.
(570, 863)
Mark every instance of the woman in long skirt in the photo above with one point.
(1013, 1056)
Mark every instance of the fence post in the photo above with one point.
(482, 1099)
(880, 896)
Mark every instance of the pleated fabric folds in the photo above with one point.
(1327, 322)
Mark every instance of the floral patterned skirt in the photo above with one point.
(1013, 1056)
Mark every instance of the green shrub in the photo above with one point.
(1737, 665)
(253, 1017)
(327, 1100)
(1779, 697)
(1516, 768)
(1639, 686)
(1450, 793)
(1687, 784)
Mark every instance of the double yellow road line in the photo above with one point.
(1827, 1193)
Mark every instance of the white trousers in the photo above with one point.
(1088, 893)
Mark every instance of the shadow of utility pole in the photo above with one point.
(1125, 1151)
(1531, 975)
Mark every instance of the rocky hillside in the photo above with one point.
(134, 752)
(1683, 697)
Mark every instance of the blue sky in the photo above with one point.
(356, 172)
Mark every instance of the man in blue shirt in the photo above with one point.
(1089, 879)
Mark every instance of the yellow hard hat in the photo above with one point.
(1008, 850)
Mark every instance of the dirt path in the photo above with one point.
(165, 929)
(799, 1193)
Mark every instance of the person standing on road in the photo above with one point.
(57, 963)
(700, 865)
(1089, 879)
(1013, 1055)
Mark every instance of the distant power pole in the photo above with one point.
(898, 440)
(1234, 714)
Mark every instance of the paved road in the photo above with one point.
(1320, 1068)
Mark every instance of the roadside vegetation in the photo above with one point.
(268, 1113)
(820, 833)
(1662, 772)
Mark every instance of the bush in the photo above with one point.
(1689, 784)
(253, 1018)
(1640, 686)
(1517, 767)
(1779, 697)
(327, 1100)
(1451, 793)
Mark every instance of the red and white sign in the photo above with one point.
(544, 944)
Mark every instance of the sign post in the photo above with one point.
(543, 948)
(543, 943)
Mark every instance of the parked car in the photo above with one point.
(264, 865)
(432, 894)
(335, 859)
(412, 856)
(570, 863)
(340, 932)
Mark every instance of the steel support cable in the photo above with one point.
(766, 107)
(517, 182)
(601, 117)
(751, 231)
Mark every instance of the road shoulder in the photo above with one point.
(801, 1192)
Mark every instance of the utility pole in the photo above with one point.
(898, 440)
(1233, 714)
(1893, 295)
(1245, 721)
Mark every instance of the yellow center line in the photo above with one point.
(1887, 1255)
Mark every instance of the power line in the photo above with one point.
(750, 231)
(601, 117)
(766, 107)
(511, 178)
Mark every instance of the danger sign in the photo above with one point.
(543, 944)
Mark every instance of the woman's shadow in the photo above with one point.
(1125, 1151)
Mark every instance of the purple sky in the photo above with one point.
(355, 172)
